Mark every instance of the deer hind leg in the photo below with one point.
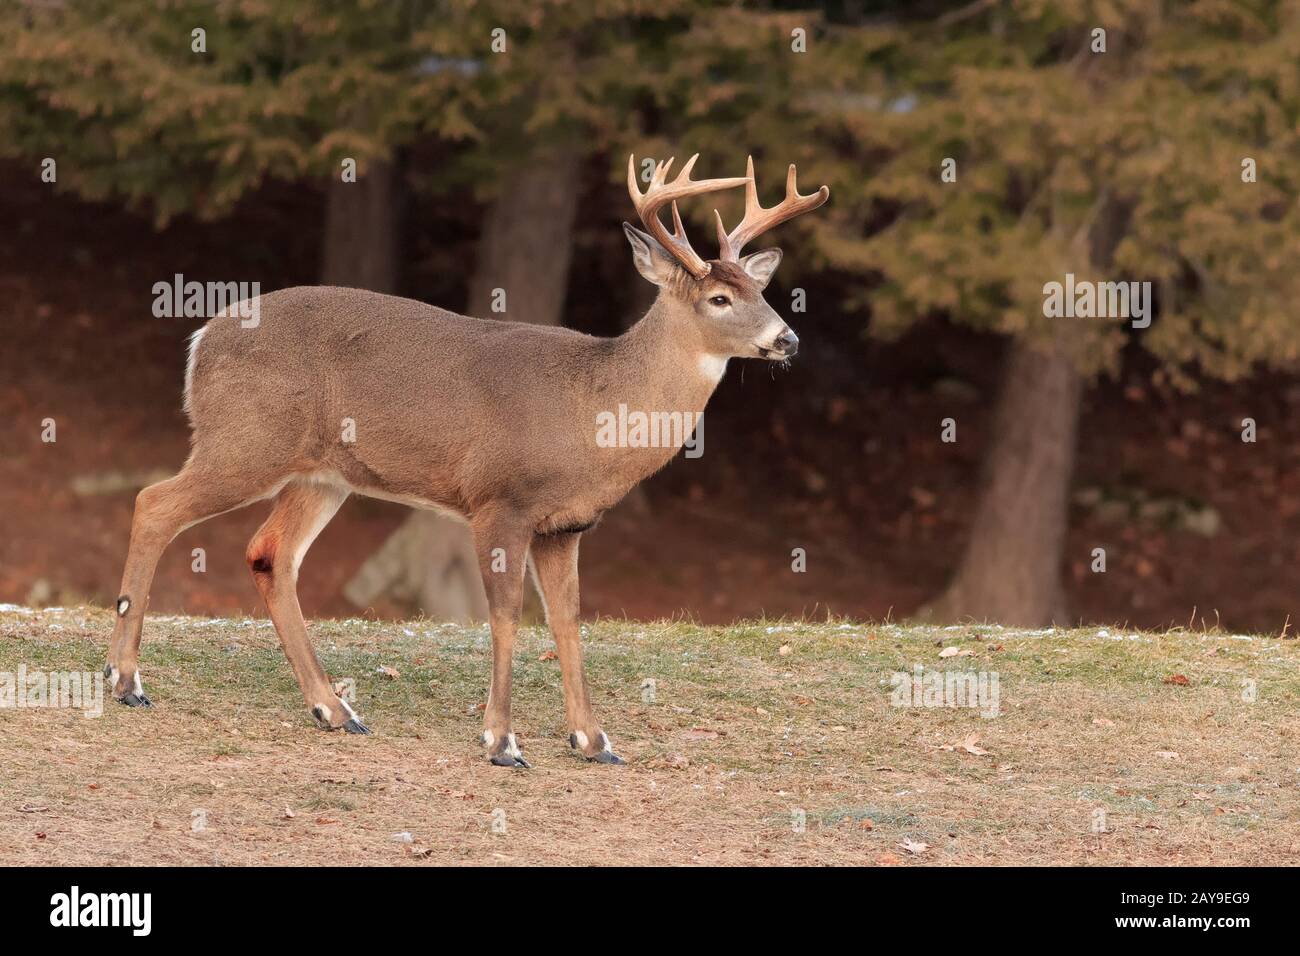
(501, 540)
(300, 513)
(554, 559)
(162, 511)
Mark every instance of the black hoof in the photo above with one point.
(505, 760)
(354, 726)
(136, 700)
(604, 756)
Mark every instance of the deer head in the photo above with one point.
(723, 297)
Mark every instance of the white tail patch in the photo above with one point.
(190, 362)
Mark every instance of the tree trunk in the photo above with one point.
(524, 251)
(361, 231)
(1011, 570)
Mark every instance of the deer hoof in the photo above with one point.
(324, 715)
(355, 726)
(503, 751)
(135, 697)
(581, 742)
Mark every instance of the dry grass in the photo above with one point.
(1185, 773)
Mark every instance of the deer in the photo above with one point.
(489, 420)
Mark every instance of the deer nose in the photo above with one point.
(787, 342)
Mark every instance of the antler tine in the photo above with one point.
(758, 220)
(661, 193)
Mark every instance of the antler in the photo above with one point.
(758, 220)
(660, 193)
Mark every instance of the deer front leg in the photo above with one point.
(501, 540)
(555, 569)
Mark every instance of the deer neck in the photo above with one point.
(664, 364)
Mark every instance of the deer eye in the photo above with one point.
(719, 300)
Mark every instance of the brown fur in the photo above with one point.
(493, 420)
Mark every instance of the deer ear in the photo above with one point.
(651, 259)
(761, 265)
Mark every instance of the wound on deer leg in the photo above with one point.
(261, 557)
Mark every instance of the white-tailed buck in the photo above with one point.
(335, 391)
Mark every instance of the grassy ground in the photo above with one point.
(1111, 747)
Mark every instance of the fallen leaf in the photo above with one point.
(325, 821)
(389, 672)
(1179, 679)
(1103, 722)
(866, 824)
(419, 852)
(699, 733)
(916, 849)
(970, 744)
